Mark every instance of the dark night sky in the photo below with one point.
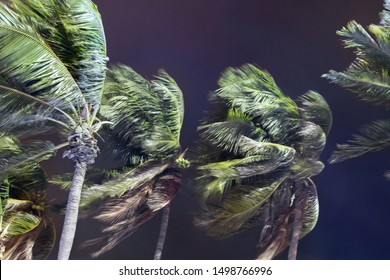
(296, 41)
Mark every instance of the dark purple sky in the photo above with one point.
(296, 41)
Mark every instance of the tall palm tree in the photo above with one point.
(367, 77)
(26, 231)
(52, 70)
(147, 118)
(259, 151)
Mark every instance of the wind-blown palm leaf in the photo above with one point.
(123, 182)
(146, 115)
(315, 109)
(370, 86)
(368, 76)
(128, 212)
(254, 92)
(261, 175)
(29, 63)
(20, 223)
(15, 157)
(37, 244)
(371, 138)
(76, 36)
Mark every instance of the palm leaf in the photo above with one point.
(372, 137)
(30, 154)
(125, 214)
(19, 223)
(239, 210)
(30, 65)
(171, 100)
(147, 116)
(44, 243)
(35, 244)
(4, 196)
(123, 182)
(254, 92)
(315, 109)
(74, 31)
(370, 86)
(366, 47)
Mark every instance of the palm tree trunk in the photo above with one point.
(72, 210)
(163, 233)
(300, 205)
(296, 230)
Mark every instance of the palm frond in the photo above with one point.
(369, 86)
(225, 135)
(171, 101)
(240, 209)
(315, 109)
(147, 116)
(74, 31)
(127, 213)
(372, 137)
(30, 65)
(312, 140)
(366, 47)
(19, 223)
(30, 154)
(123, 182)
(35, 244)
(4, 196)
(44, 243)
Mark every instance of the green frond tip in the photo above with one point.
(19, 223)
(122, 182)
(371, 138)
(4, 196)
(251, 90)
(238, 209)
(315, 109)
(369, 85)
(29, 156)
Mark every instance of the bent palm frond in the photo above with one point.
(368, 76)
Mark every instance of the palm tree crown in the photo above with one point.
(147, 118)
(259, 150)
(367, 77)
(52, 70)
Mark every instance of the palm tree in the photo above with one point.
(26, 232)
(259, 151)
(53, 65)
(368, 78)
(147, 118)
